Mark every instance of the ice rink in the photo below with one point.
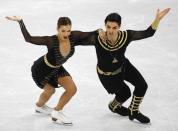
(156, 58)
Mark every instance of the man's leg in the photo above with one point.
(121, 96)
(115, 85)
(133, 76)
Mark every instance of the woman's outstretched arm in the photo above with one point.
(37, 40)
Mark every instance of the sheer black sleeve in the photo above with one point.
(37, 40)
(85, 38)
(137, 35)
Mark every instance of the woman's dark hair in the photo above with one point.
(63, 21)
(113, 17)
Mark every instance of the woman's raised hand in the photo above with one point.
(13, 18)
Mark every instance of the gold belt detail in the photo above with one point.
(119, 70)
(48, 64)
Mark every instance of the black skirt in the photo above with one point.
(43, 74)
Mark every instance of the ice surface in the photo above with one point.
(156, 58)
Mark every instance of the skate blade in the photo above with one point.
(37, 111)
(61, 123)
(42, 113)
(138, 122)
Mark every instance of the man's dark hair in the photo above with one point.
(113, 17)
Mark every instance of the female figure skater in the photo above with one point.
(48, 70)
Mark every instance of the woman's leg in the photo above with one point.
(70, 89)
(48, 91)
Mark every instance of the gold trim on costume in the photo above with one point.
(114, 105)
(120, 42)
(109, 73)
(48, 64)
(116, 43)
(135, 104)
